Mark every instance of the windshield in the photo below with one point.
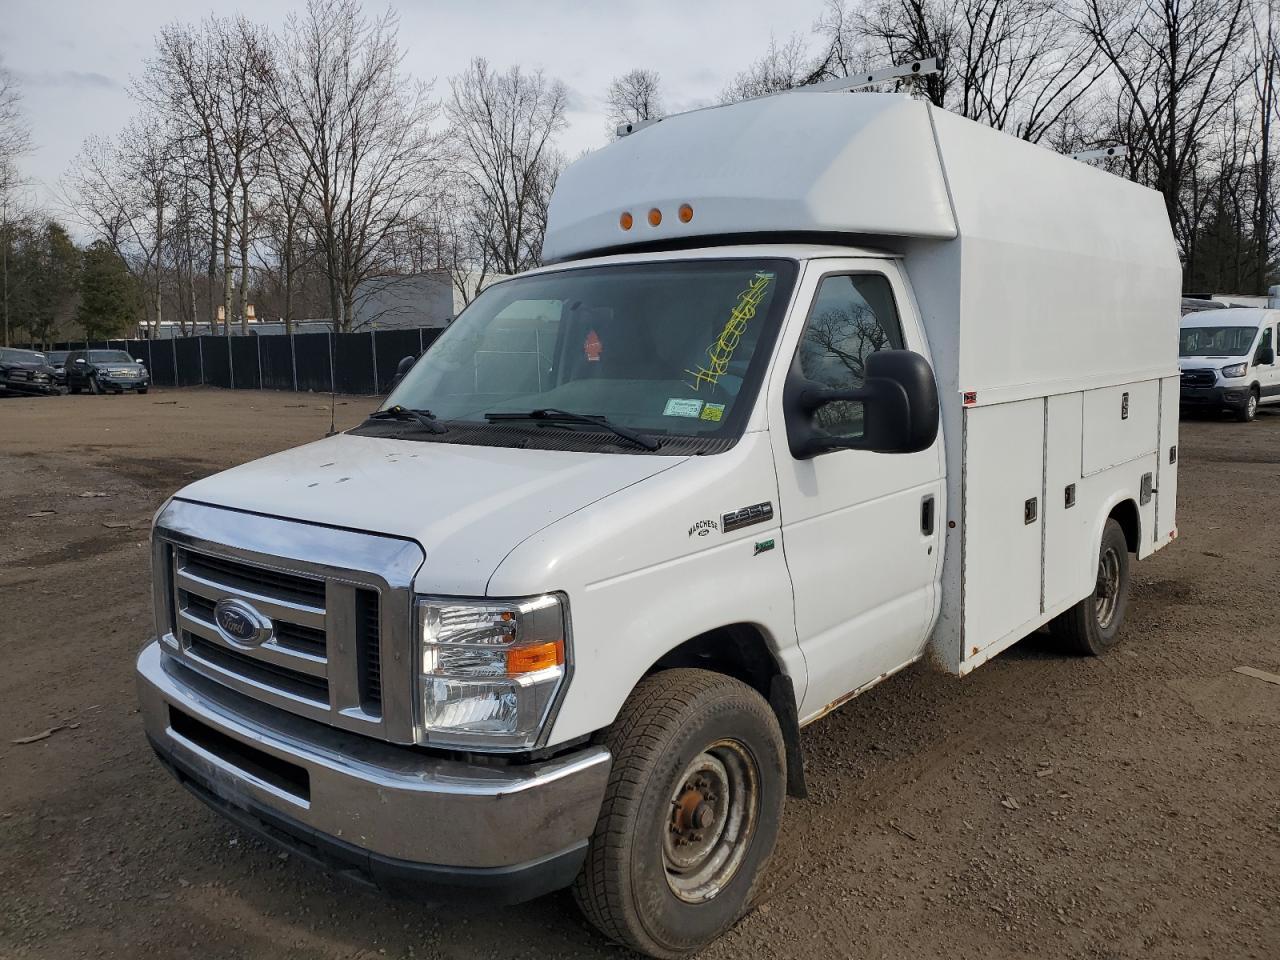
(661, 348)
(1216, 341)
(109, 356)
(21, 356)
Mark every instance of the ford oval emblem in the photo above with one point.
(240, 624)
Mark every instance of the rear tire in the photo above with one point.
(1092, 626)
(1249, 412)
(690, 815)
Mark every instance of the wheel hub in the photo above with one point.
(712, 820)
(1107, 592)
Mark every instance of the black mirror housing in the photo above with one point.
(900, 408)
(1266, 355)
(402, 368)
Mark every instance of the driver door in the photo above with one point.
(860, 530)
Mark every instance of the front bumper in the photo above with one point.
(391, 816)
(122, 383)
(38, 388)
(1218, 396)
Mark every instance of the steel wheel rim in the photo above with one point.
(714, 809)
(1253, 405)
(1106, 595)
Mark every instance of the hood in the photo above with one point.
(1208, 363)
(467, 507)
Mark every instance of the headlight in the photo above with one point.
(489, 670)
(1235, 370)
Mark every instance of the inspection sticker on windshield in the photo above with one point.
(682, 407)
(713, 412)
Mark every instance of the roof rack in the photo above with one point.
(915, 68)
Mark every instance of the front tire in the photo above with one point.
(690, 815)
(1092, 626)
(1249, 412)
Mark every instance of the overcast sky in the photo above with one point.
(74, 58)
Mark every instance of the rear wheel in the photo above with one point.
(1092, 626)
(690, 815)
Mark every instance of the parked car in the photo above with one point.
(1228, 360)
(99, 371)
(58, 362)
(26, 372)
(806, 393)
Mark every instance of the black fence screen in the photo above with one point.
(356, 363)
(277, 363)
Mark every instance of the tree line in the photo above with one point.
(285, 168)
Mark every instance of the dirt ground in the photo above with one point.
(1043, 807)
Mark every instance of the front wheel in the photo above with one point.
(690, 814)
(1249, 412)
(142, 390)
(1092, 626)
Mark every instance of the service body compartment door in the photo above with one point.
(1167, 463)
(1003, 520)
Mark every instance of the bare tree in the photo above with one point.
(120, 192)
(15, 140)
(502, 128)
(363, 131)
(634, 97)
(1175, 64)
(781, 68)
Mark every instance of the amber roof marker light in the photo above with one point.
(655, 217)
(686, 213)
(625, 221)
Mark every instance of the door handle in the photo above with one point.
(926, 515)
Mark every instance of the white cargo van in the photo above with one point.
(815, 387)
(1228, 360)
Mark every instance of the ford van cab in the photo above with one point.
(1228, 360)
(805, 395)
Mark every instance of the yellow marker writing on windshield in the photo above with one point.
(721, 352)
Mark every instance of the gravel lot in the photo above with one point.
(1044, 806)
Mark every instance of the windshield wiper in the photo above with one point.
(424, 418)
(552, 415)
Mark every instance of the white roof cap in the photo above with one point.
(805, 162)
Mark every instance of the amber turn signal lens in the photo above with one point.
(655, 217)
(538, 656)
(686, 213)
(625, 221)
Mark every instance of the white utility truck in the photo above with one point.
(1228, 360)
(816, 386)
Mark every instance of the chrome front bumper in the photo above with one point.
(392, 814)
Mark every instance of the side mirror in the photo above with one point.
(139, 360)
(402, 369)
(79, 359)
(899, 408)
(1266, 355)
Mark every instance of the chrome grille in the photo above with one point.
(294, 662)
(340, 604)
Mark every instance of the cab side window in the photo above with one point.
(1263, 344)
(853, 316)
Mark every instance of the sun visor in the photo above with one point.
(835, 162)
